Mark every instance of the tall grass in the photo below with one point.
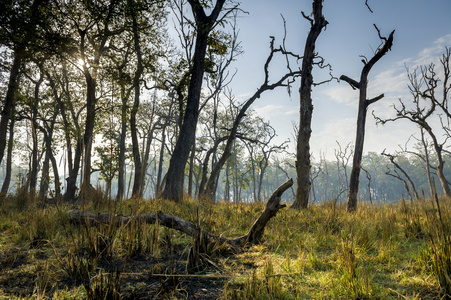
(440, 245)
(379, 252)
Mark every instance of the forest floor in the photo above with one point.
(380, 252)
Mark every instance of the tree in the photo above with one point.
(145, 18)
(422, 114)
(342, 157)
(7, 180)
(398, 176)
(92, 26)
(19, 21)
(362, 86)
(204, 23)
(303, 165)
(285, 80)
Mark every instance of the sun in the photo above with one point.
(81, 63)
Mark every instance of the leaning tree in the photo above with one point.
(204, 24)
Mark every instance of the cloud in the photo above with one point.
(270, 111)
(432, 54)
(343, 94)
(341, 130)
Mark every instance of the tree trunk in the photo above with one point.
(73, 162)
(145, 162)
(428, 168)
(173, 189)
(160, 162)
(303, 164)
(133, 129)
(358, 148)
(440, 163)
(121, 175)
(7, 181)
(227, 183)
(89, 130)
(34, 134)
(191, 170)
(8, 105)
(55, 175)
(45, 174)
(204, 171)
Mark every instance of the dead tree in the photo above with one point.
(303, 164)
(368, 177)
(421, 115)
(284, 81)
(362, 86)
(396, 175)
(254, 235)
(343, 157)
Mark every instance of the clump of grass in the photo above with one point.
(138, 239)
(105, 286)
(97, 284)
(265, 285)
(40, 226)
(354, 278)
(413, 228)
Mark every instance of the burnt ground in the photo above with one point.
(39, 271)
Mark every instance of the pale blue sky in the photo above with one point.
(423, 29)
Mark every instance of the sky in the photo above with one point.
(422, 30)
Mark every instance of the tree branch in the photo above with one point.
(353, 83)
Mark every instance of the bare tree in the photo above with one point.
(303, 164)
(421, 115)
(343, 156)
(362, 86)
(284, 81)
(396, 175)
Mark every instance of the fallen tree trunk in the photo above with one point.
(254, 236)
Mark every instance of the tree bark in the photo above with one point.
(303, 164)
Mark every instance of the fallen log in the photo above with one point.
(254, 235)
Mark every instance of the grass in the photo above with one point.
(399, 251)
